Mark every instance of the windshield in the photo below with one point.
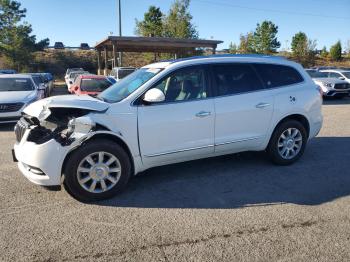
(94, 84)
(15, 84)
(37, 79)
(346, 74)
(128, 85)
(316, 74)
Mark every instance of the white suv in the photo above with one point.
(165, 113)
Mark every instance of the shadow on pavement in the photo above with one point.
(242, 180)
(6, 127)
(336, 101)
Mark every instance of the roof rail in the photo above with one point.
(223, 56)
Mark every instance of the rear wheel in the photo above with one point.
(287, 143)
(97, 170)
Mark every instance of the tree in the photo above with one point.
(265, 40)
(299, 45)
(335, 51)
(178, 22)
(16, 41)
(303, 49)
(324, 52)
(246, 44)
(233, 49)
(152, 23)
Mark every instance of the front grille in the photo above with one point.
(10, 107)
(20, 129)
(342, 86)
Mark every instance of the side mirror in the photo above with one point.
(154, 95)
(42, 86)
(342, 78)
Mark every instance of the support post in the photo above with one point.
(115, 60)
(106, 61)
(214, 50)
(99, 62)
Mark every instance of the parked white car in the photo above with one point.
(16, 92)
(119, 73)
(168, 112)
(331, 87)
(72, 76)
(338, 73)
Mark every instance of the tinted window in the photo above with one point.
(236, 78)
(334, 75)
(94, 84)
(184, 84)
(278, 75)
(15, 84)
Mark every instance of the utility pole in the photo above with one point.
(120, 29)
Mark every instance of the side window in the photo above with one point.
(278, 75)
(184, 84)
(334, 75)
(236, 78)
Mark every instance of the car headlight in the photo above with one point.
(327, 84)
(80, 125)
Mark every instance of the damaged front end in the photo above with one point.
(63, 119)
(56, 123)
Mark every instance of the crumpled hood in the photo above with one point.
(66, 101)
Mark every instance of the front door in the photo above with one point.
(182, 127)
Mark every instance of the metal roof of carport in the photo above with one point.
(153, 44)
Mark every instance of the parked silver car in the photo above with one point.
(16, 92)
(331, 87)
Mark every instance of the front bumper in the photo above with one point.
(10, 117)
(337, 93)
(47, 157)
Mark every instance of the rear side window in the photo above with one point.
(94, 84)
(278, 75)
(236, 78)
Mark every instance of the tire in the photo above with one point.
(114, 182)
(275, 148)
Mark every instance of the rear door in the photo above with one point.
(243, 107)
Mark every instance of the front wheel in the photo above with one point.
(97, 170)
(287, 143)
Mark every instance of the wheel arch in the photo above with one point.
(297, 117)
(106, 136)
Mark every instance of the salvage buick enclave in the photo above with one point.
(168, 112)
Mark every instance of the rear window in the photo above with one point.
(94, 84)
(236, 78)
(15, 84)
(278, 75)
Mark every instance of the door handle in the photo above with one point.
(262, 105)
(203, 114)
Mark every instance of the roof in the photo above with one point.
(15, 76)
(92, 76)
(153, 44)
(213, 58)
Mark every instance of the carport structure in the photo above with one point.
(108, 49)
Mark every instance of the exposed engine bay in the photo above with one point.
(59, 124)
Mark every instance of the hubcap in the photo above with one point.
(99, 172)
(289, 143)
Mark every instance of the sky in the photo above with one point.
(75, 21)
